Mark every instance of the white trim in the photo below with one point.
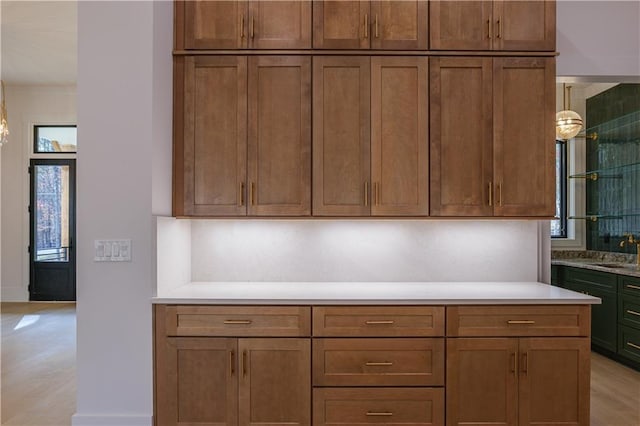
(111, 420)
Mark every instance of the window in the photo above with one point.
(55, 139)
(559, 225)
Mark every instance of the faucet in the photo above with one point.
(632, 240)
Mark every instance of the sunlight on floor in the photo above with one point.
(26, 321)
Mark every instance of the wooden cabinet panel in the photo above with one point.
(482, 382)
(211, 24)
(208, 320)
(629, 343)
(554, 381)
(279, 24)
(197, 382)
(460, 25)
(275, 381)
(399, 136)
(523, 117)
(629, 286)
(399, 24)
(525, 25)
(628, 312)
(378, 362)
(565, 320)
(213, 141)
(341, 24)
(279, 160)
(461, 138)
(362, 406)
(378, 321)
(341, 135)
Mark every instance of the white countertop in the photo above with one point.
(372, 293)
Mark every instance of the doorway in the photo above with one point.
(52, 221)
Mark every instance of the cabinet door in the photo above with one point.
(399, 24)
(461, 138)
(211, 141)
(399, 136)
(197, 382)
(524, 136)
(279, 24)
(341, 135)
(279, 158)
(482, 381)
(341, 24)
(525, 25)
(275, 381)
(554, 382)
(460, 25)
(211, 24)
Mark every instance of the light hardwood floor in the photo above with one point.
(38, 386)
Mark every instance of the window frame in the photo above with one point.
(35, 139)
(562, 145)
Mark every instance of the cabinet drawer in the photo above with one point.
(187, 320)
(379, 321)
(629, 312)
(629, 343)
(378, 362)
(629, 285)
(594, 279)
(391, 406)
(564, 320)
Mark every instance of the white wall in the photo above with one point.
(124, 99)
(26, 106)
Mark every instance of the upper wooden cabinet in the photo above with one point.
(242, 136)
(492, 25)
(205, 24)
(492, 136)
(400, 25)
(370, 160)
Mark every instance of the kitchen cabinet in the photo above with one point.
(232, 381)
(397, 25)
(203, 24)
(482, 166)
(242, 136)
(492, 25)
(629, 319)
(370, 160)
(495, 376)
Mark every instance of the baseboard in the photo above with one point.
(14, 294)
(105, 420)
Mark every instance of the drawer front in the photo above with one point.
(597, 279)
(239, 321)
(536, 320)
(379, 321)
(629, 343)
(390, 406)
(629, 285)
(629, 312)
(378, 362)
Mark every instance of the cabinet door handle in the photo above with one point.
(237, 321)
(232, 362)
(513, 362)
(490, 190)
(520, 322)
(379, 413)
(366, 193)
(633, 346)
(500, 194)
(378, 322)
(629, 311)
(375, 25)
(366, 25)
(499, 35)
(489, 35)
(635, 287)
(242, 193)
(376, 188)
(242, 27)
(252, 193)
(525, 363)
(252, 29)
(244, 363)
(378, 364)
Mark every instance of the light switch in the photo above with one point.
(112, 250)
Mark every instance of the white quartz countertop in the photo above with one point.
(371, 293)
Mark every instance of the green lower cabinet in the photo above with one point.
(556, 275)
(629, 312)
(629, 343)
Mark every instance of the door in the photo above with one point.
(524, 135)
(52, 229)
(482, 382)
(279, 24)
(399, 136)
(215, 136)
(524, 25)
(279, 160)
(275, 381)
(341, 136)
(399, 25)
(554, 383)
(460, 25)
(200, 380)
(461, 137)
(214, 24)
(341, 24)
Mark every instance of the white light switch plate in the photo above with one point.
(112, 251)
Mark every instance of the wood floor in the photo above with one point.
(38, 386)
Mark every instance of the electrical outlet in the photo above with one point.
(112, 250)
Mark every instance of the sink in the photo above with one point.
(616, 265)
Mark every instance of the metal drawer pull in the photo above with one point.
(379, 364)
(237, 321)
(521, 322)
(629, 311)
(635, 287)
(379, 413)
(633, 346)
(374, 322)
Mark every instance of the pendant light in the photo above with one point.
(4, 128)
(568, 123)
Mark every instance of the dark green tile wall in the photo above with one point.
(614, 116)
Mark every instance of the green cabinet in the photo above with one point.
(629, 318)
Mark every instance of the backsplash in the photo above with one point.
(613, 155)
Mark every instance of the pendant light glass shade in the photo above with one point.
(4, 128)
(568, 123)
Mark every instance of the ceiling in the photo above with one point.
(39, 42)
